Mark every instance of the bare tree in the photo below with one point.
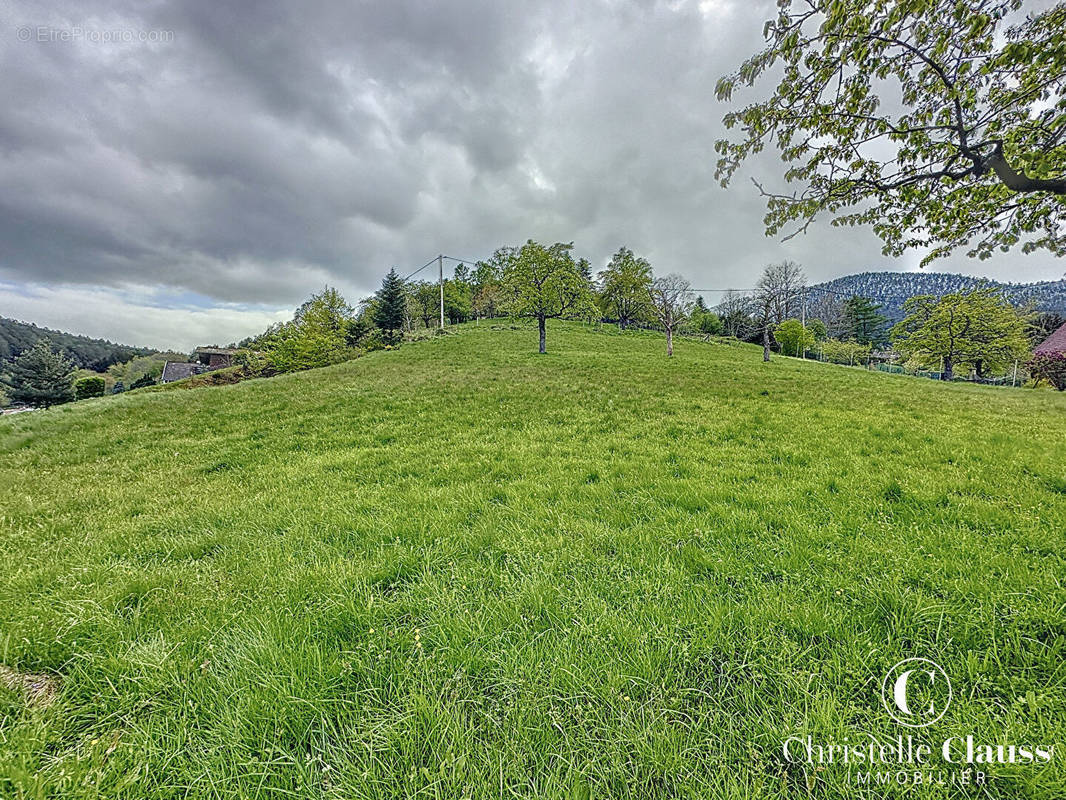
(671, 297)
(829, 308)
(735, 311)
(778, 292)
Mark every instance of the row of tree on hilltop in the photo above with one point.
(976, 328)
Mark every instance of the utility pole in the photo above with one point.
(440, 268)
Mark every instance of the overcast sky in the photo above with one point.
(179, 173)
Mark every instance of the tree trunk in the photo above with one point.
(949, 370)
(1019, 181)
(669, 341)
(543, 335)
(765, 342)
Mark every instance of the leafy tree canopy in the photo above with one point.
(624, 287)
(978, 328)
(793, 337)
(818, 330)
(706, 322)
(940, 123)
(317, 335)
(94, 354)
(544, 282)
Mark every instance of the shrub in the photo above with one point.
(145, 380)
(91, 386)
(707, 322)
(845, 352)
(254, 364)
(373, 341)
(1050, 367)
(793, 337)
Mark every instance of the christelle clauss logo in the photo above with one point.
(916, 693)
(931, 692)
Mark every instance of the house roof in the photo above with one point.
(176, 370)
(1055, 343)
(215, 351)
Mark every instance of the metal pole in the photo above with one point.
(440, 267)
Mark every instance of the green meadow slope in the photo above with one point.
(460, 569)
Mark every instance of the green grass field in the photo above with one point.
(460, 569)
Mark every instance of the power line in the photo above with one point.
(464, 260)
(428, 263)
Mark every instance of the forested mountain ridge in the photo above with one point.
(86, 352)
(892, 289)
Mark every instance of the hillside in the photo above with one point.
(893, 288)
(460, 569)
(86, 352)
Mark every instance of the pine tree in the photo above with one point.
(863, 322)
(390, 310)
(41, 377)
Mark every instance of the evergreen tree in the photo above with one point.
(862, 321)
(391, 307)
(41, 377)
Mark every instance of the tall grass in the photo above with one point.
(461, 569)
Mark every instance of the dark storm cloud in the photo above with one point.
(258, 150)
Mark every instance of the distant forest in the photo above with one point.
(87, 353)
(891, 289)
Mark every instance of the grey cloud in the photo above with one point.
(271, 147)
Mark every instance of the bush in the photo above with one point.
(845, 352)
(91, 386)
(254, 364)
(145, 380)
(707, 322)
(1050, 367)
(793, 337)
(374, 340)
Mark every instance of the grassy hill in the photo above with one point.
(461, 569)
